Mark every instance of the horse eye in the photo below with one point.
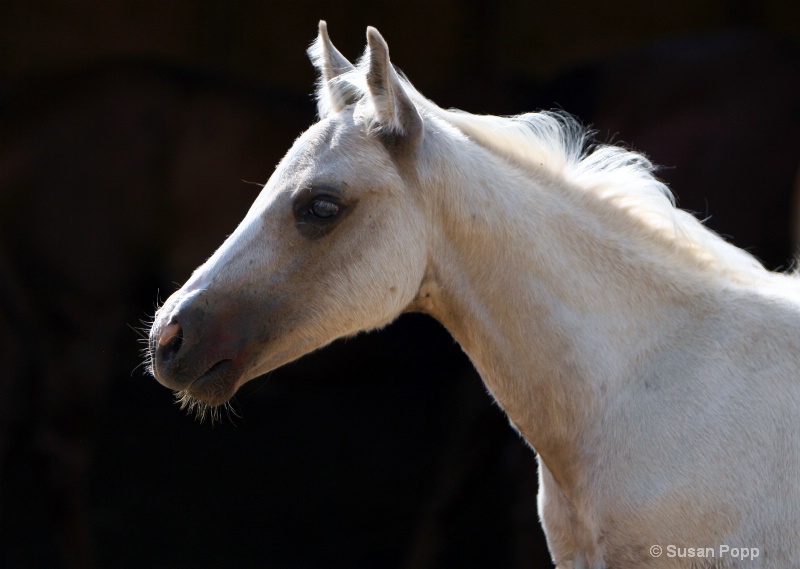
(323, 209)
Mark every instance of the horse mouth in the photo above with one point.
(214, 387)
(213, 372)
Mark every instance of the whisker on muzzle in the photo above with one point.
(203, 410)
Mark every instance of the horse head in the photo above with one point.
(334, 244)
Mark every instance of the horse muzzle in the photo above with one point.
(199, 351)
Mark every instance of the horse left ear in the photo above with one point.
(396, 114)
(332, 95)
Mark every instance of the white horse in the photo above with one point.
(651, 365)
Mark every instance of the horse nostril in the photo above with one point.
(170, 340)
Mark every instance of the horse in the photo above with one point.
(650, 364)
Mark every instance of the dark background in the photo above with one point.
(128, 133)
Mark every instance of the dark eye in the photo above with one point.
(318, 210)
(323, 209)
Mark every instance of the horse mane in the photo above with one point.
(558, 143)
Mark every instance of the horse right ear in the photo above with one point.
(395, 112)
(332, 95)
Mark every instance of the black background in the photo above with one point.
(128, 132)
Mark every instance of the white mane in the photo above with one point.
(559, 144)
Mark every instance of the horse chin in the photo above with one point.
(213, 389)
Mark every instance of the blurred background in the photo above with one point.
(133, 134)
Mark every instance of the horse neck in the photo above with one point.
(542, 286)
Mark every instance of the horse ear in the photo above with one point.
(332, 95)
(394, 110)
